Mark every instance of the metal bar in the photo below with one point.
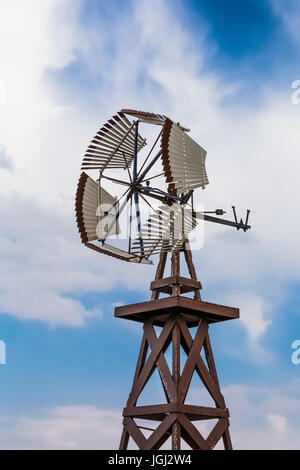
(117, 202)
(130, 224)
(141, 177)
(175, 270)
(152, 177)
(154, 196)
(149, 153)
(138, 216)
(209, 218)
(234, 213)
(114, 180)
(155, 190)
(176, 428)
(117, 216)
(123, 153)
(247, 217)
(160, 272)
(135, 150)
(147, 202)
(145, 427)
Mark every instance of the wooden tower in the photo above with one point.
(176, 314)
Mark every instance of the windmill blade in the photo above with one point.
(165, 230)
(143, 116)
(113, 145)
(95, 209)
(183, 160)
(117, 253)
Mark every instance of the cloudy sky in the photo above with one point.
(223, 69)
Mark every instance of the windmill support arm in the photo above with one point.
(209, 218)
(155, 191)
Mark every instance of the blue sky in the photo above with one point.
(225, 70)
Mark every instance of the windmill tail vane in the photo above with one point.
(241, 224)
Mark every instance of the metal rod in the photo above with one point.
(234, 213)
(152, 429)
(209, 218)
(130, 223)
(123, 153)
(135, 150)
(152, 177)
(149, 153)
(156, 190)
(247, 216)
(141, 177)
(114, 180)
(117, 215)
(117, 202)
(147, 202)
(138, 216)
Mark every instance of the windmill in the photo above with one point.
(162, 180)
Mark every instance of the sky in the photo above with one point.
(225, 70)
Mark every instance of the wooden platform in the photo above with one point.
(192, 311)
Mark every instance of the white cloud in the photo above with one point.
(252, 154)
(253, 315)
(5, 161)
(44, 269)
(279, 423)
(66, 427)
(288, 11)
(261, 418)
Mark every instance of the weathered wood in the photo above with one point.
(176, 314)
(160, 431)
(194, 411)
(199, 441)
(161, 364)
(178, 304)
(167, 282)
(142, 357)
(191, 361)
(191, 268)
(135, 433)
(176, 377)
(124, 439)
(200, 367)
(176, 436)
(217, 432)
(210, 359)
(160, 271)
(202, 412)
(175, 265)
(176, 354)
(227, 440)
(149, 366)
